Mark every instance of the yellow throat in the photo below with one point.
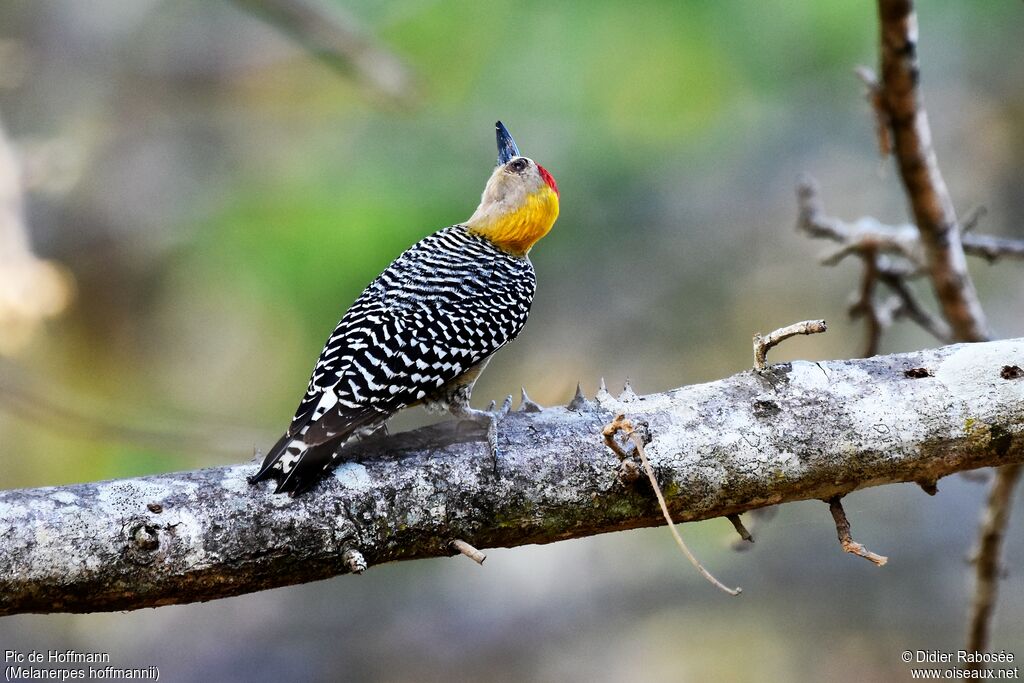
(516, 231)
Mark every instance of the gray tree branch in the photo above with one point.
(794, 431)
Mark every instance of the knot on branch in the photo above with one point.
(628, 454)
(145, 537)
(354, 561)
(143, 542)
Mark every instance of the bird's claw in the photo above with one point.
(490, 417)
(492, 428)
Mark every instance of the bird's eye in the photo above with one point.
(518, 165)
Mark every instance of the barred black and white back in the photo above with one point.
(420, 331)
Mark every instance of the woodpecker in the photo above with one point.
(423, 331)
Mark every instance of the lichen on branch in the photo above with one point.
(794, 431)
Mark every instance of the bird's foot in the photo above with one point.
(379, 432)
(490, 419)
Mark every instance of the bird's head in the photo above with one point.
(520, 202)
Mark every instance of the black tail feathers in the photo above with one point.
(273, 455)
(309, 469)
(304, 473)
(313, 462)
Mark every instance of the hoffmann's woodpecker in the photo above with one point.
(423, 331)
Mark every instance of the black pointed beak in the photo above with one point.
(507, 149)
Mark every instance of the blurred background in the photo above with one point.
(207, 187)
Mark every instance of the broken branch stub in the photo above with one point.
(762, 344)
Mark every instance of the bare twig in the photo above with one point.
(757, 519)
(835, 506)
(620, 423)
(609, 432)
(762, 344)
(898, 240)
(469, 551)
(987, 560)
(993, 248)
(737, 523)
(891, 255)
(971, 218)
(911, 308)
(873, 95)
(926, 191)
(902, 242)
(330, 35)
(812, 218)
(876, 318)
